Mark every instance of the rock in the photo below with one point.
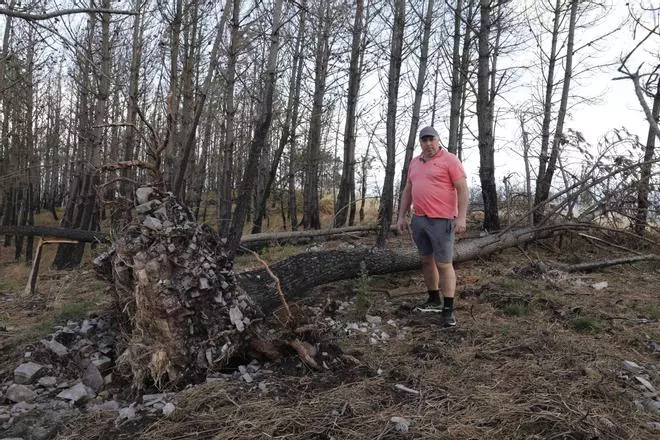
(126, 414)
(22, 407)
(653, 426)
(236, 318)
(43, 432)
(57, 348)
(27, 373)
(5, 417)
(142, 194)
(400, 424)
(110, 405)
(76, 394)
(66, 335)
(86, 327)
(631, 366)
(144, 208)
(92, 377)
(152, 223)
(150, 399)
(600, 286)
(652, 406)
(653, 346)
(375, 320)
(47, 382)
(168, 408)
(247, 378)
(20, 393)
(101, 362)
(645, 383)
(262, 387)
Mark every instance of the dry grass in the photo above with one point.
(518, 367)
(534, 357)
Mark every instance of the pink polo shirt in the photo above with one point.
(433, 191)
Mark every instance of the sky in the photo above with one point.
(612, 104)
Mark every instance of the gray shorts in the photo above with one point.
(434, 236)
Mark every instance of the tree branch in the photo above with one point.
(48, 15)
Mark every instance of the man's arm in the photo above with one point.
(462, 198)
(404, 207)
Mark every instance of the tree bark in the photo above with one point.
(485, 116)
(419, 91)
(300, 273)
(347, 183)
(226, 163)
(457, 82)
(291, 115)
(643, 188)
(311, 215)
(544, 179)
(259, 140)
(387, 197)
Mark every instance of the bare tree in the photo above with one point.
(387, 196)
(485, 117)
(311, 216)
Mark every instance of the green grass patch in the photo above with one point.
(586, 324)
(518, 309)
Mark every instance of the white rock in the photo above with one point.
(645, 383)
(379, 371)
(20, 393)
(236, 318)
(400, 424)
(242, 369)
(384, 336)
(247, 378)
(47, 381)
(27, 373)
(652, 406)
(391, 322)
(600, 286)
(653, 426)
(75, 394)
(372, 319)
(168, 408)
(142, 194)
(86, 327)
(631, 366)
(101, 362)
(262, 387)
(152, 223)
(373, 341)
(54, 346)
(126, 414)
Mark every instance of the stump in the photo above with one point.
(181, 309)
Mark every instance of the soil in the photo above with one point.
(537, 354)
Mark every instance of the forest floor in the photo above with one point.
(537, 354)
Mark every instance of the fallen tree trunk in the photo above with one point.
(250, 241)
(301, 272)
(593, 265)
(55, 232)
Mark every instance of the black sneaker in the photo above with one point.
(429, 307)
(448, 319)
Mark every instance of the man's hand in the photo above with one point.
(402, 225)
(461, 226)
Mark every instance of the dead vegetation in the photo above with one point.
(538, 354)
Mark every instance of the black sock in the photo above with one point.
(434, 296)
(449, 303)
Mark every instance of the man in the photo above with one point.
(437, 189)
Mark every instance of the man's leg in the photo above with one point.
(430, 271)
(447, 279)
(448, 283)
